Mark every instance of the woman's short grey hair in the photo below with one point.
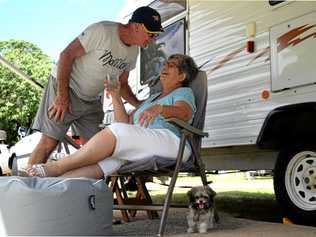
(186, 66)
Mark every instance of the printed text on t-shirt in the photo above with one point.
(108, 59)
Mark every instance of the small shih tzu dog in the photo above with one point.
(202, 214)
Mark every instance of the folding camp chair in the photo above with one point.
(158, 166)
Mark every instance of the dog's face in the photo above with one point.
(202, 213)
(201, 198)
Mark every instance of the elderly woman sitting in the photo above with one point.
(143, 134)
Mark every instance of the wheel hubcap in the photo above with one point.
(310, 179)
(300, 180)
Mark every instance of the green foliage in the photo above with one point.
(19, 99)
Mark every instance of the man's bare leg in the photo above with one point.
(42, 150)
(96, 149)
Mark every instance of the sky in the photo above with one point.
(53, 24)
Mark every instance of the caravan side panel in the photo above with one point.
(238, 80)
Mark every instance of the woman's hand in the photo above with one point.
(112, 88)
(149, 115)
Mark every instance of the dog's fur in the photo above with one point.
(202, 213)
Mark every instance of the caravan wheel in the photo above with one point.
(295, 184)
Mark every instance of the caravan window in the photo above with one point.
(169, 8)
(171, 41)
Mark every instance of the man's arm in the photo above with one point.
(126, 91)
(61, 103)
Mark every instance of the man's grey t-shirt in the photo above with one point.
(105, 54)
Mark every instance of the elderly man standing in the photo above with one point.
(72, 96)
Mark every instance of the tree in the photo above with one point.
(19, 99)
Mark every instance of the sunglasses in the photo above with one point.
(150, 34)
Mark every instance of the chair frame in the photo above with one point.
(187, 131)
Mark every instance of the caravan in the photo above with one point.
(260, 61)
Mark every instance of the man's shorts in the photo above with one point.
(86, 116)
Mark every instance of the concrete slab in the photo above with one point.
(261, 229)
(228, 227)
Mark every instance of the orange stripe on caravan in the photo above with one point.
(260, 54)
(289, 38)
(228, 58)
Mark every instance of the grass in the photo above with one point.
(251, 198)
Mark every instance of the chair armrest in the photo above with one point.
(180, 123)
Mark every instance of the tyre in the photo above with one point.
(295, 184)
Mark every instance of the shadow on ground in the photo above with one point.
(236, 210)
(254, 206)
(262, 207)
(176, 224)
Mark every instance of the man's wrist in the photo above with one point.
(63, 92)
(64, 96)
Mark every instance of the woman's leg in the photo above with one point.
(91, 171)
(96, 149)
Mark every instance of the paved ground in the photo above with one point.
(228, 227)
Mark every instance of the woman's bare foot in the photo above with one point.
(49, 169)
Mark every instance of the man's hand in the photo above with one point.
(149, 115)
(58, 109)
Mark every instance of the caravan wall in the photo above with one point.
(239, 80)
(240, 93)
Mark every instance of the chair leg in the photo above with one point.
(123, 189)
(120, 200)
(66, 147)
(143, 193)
(171, 186)
(201, 168)
(138, 197)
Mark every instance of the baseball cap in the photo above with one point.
(149, 17)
